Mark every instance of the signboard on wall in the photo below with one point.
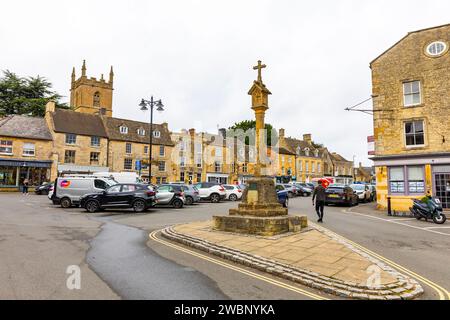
(371, 145)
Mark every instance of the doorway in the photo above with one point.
(442, 183)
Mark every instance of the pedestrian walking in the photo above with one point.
(319, 195)
(26, 183)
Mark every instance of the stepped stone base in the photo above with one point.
(262, 226)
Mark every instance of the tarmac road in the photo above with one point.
(118, 260)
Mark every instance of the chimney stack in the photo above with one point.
(307, 138)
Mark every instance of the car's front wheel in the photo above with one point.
(139, 205)
(92, 206)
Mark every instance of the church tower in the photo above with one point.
(90, 95)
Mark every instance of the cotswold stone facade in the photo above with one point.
(411, 94)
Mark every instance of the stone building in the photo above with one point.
(411, 93)
(363, 174)
(25, 151)
(342, 168)
(79, 141)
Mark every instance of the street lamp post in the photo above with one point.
(145, 105)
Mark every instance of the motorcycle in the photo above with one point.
(433, 210)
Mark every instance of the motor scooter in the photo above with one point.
(432, 210)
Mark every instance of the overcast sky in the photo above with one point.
(197, 56)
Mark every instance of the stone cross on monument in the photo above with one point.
(259, 213)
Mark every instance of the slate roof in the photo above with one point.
(68, 121)
(293, 144)
(24, 127)
(112, 126)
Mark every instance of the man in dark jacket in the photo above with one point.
(319, 195)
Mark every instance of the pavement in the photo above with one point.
(312, 257)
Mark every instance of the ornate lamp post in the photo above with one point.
(146, 105)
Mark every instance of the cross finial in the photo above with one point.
(259, 67)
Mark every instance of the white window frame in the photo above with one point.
(435, 43)
(7, 144)
(123, 129)
(127, 161)
(404, 133)
(68, 139)
(128, 150)
(26, 151)
(141, 131)
(95, 138)
(412, 93)
(156, 134)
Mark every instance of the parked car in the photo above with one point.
(170, 195)
(291, 189)
(302, 190)
(282, 194)
(311, 185)
(139, 197)
(340, 194)
(211, 191)
(373, 192)
(68, 190)
(44, 188)
(233, 192)
(362, 191)
(191, 193)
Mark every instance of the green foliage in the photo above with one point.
(247, 125)
(28, 96)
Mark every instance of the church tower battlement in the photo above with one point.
(90, 95)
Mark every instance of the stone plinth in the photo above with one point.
(260, 213)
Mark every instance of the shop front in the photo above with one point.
(13, 172)
(217, 177)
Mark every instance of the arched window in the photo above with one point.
(96, 101)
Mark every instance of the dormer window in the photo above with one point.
(306, 152)
(316, 153)
(123, 129)
(156, 134)
(141, 131)
(298, 151)
(96, 100)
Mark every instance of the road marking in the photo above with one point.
(436, 227)
(396, 222)
(442, 292)
(238, 269)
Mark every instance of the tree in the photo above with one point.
(246, 125)
(19, 95)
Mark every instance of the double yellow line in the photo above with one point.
(237, 269)
(442, 292)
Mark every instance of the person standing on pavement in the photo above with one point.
(319, 195)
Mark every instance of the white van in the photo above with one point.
(68, 190)
(120, 177)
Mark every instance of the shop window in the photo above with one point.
(128, 164)
(71, 138)
(69, 156)
(8, 176)
(28, 149)
(397, 180)
(6, 147)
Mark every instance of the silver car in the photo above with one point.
(170, 195)
(191, 193)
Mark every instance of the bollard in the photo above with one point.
(389, 206)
